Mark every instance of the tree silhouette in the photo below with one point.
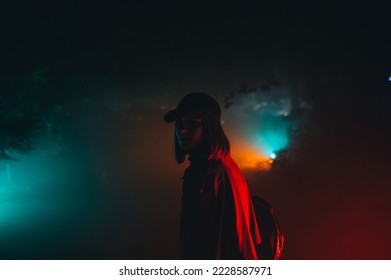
(20, 118)
(30, 104)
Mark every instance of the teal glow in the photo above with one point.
(23, 197)
(38, 190)
(20, 209)
(264, 120)
(389, 78)
(272, 134)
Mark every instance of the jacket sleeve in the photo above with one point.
(226, 222)
(218, 219)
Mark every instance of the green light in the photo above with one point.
(272, 155)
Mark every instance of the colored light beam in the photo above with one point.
(272, 135)
(263, 126)
(249, 157)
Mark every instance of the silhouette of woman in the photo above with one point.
(217, 219)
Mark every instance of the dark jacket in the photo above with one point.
(218, 219)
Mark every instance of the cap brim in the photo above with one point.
(171, 116)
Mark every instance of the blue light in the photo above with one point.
(389, 78)
(272, 155)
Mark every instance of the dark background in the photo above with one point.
(84, 87)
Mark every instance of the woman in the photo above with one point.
(217, 219)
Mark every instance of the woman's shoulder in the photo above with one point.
(217, 167)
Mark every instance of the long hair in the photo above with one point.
(214, 141)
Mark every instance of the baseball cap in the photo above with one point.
(198, 104)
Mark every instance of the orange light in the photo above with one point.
(247, 157)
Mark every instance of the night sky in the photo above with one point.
(87, 166)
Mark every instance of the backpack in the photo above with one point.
(269, 229)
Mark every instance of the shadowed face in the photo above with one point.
(188, 131)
